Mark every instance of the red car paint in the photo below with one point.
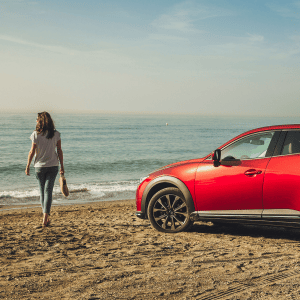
(231, 185)
(281, 188)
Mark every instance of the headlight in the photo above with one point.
(143, 178)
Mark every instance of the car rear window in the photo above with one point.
(292, 143)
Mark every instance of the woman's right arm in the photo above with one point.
(30, 157)
(60, 157)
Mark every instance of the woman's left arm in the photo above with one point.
(60, 157)
(30, 157)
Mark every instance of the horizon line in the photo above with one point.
(93, 112)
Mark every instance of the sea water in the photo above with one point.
(105, 155)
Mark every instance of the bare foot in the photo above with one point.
(46, 220)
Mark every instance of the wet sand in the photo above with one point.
(103, 251)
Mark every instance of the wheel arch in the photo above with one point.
(162, 182)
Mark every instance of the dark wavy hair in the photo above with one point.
(45, 125)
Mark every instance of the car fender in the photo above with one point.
(164, 181)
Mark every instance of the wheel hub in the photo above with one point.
(170, 212)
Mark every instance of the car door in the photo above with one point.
(281, 191)
(235, 186)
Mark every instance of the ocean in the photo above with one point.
(105, 155)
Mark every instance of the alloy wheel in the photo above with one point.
(168, 211)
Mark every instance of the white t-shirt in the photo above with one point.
(46, 155)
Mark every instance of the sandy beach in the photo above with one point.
(102, 251)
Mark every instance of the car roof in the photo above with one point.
(266, 128)
(278, 127)
(273, 127)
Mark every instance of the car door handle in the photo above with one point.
(252, 172)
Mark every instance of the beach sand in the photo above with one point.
(103, 251)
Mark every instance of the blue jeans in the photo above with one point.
(46, 178)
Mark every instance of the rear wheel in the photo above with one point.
(168, 211)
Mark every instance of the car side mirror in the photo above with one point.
(216, 157)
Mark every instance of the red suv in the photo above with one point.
(253, 178)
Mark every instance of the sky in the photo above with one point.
(159, 56)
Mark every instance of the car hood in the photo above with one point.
(197, 160)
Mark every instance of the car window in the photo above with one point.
(252, 146)
(292, 143)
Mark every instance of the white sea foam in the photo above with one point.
(112, 187)
(95, 189)
(20, 194)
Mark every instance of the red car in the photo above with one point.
(253, 178)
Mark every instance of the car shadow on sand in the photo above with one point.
(271, 232)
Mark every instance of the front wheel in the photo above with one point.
(168, 211)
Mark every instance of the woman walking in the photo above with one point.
(45, 140)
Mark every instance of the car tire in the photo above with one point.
(168, 211)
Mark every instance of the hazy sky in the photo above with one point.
(214, 56)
